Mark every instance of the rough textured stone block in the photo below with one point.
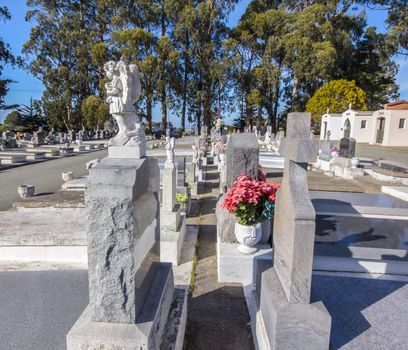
(291, 326)
(225, 223)
(123, 237)
(242, 157)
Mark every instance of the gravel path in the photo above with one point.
(217, 313)
(45, 176)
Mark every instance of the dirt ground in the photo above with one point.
(217, 318)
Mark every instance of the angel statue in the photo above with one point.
(169, 152)
(195, 154)
(123, 89)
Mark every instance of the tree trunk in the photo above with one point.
(163, 72)
(149, 114)
(274, 113)
(184, 103)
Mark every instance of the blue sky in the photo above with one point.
(16, 33)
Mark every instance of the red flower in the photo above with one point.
(249, 195)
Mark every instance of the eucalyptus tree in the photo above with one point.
(6, 57)
(60, 49)
(206, 24)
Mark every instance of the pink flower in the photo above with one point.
(248, 195)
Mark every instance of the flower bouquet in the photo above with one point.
(252, 202)
(334, 152)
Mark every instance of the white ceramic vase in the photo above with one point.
(248, 237)
(354, 162)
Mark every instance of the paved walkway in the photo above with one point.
(217, 313)
(38, 308)
(45, 176)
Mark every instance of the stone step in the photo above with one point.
(27, 155)
(45, 235)
(49, 152)
(12, 159)
(399, 192)
(389, 176)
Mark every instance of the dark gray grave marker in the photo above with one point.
(347, 147)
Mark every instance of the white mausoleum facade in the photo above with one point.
(386, 127)
(331, 125)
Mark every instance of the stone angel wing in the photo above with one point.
(129, 75)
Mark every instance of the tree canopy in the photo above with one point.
(192, 64)
(6, 57)
(336, 96)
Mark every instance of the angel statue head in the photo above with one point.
(123, 87)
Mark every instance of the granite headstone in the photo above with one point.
(347, 147)
(291, 321)
(242, 157)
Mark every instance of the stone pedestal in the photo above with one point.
(130, 290)
(290, 319)
(144, 334)
(290, 326)
(172, 223)
(169, 189)
(127, 152)
(342, 167)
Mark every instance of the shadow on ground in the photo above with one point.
(357, 305)
(218, 321)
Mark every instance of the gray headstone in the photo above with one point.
(242, 157)
(123, 233)
(347, 147)
(290, 320)
(325, 146)
(294, 223)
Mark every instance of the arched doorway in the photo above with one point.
(346, 128)
(380, 130)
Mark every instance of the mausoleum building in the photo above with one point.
(385, 127)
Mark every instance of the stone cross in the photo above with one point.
(294, 225)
